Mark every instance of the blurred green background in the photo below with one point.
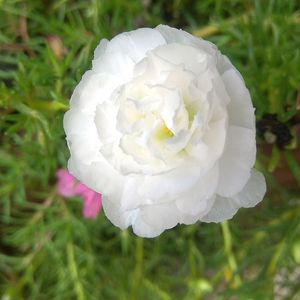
(49, 251)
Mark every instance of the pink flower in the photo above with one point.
(68, 186)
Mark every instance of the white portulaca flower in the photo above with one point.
(164, 128)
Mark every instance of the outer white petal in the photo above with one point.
(99, 176)
(172, 183)
(219, 91)
(131, 199)
(133, 45)
(224, 64)
(143, 229)
(253, 192)
(236, 161)
(118, 217)
(225, 208)
(188, 219)
(222, 209)
(193, 59)
(117, 64)
(93, 89)
(173, 35)
(78, 123)
(152, 220)
(81, 136)
(101, 48)
(215, 139)
(240, 108)
(197, 201)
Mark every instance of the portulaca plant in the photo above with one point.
(164, 128)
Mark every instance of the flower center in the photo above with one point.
(164, 133)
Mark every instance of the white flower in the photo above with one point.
(164, 128)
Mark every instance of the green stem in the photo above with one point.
(74, 272)
(228, 249)
(138, 271)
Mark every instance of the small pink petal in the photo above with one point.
(66, 185)
(81, 188)
(92, 203)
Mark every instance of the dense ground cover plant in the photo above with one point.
(49, 251)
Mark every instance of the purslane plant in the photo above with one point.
(164, 128)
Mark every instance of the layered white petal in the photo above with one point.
(223, 209)
(92, 90)
(119, 218)
(253, 192)
(236, 161)
(152, 220)
(101, 48)
(98, 176)
(173, 35)
(171, 183)
(193, 59)
(115, 64)
(143, 229)
(136, 43)
(81, 136)
(240, 108)
(197, 200)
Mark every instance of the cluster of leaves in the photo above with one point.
(48, 251)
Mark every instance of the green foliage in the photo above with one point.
(48, 251)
